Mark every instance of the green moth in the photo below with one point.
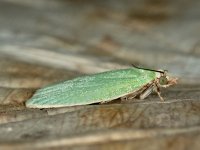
(102, 87)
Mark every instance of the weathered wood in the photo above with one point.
(47, 41)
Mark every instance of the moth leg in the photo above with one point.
(124, 98)
(129, 96)
(147, 91)
(152, 88)
(103, 102)
(166, 86)
(157, 90)
(136, 93)
(171, 82)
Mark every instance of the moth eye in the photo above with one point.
(163, 80)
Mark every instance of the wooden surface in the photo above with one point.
(47, 41)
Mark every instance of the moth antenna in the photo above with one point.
(163, 72)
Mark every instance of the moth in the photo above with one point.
(103, 87)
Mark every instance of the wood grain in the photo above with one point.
(43, 42)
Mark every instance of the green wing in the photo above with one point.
(91, 89)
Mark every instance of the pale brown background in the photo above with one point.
(46, 41)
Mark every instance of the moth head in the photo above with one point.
(163, 80)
